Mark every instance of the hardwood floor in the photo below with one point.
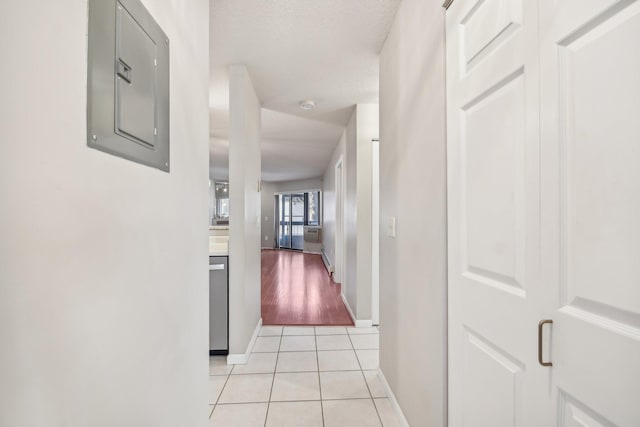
(297, 290)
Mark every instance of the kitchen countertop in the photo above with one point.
(218, 246)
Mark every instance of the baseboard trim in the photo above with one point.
(392, 399)
(363, 323)
(243, 358)
(346, 304)
(357, 323)
(311, 252)
(327, 262)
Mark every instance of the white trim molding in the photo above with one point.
(326, 261)
(357, 323)
(363, 323)
(243, 358)
(346, 304)
(392, 399)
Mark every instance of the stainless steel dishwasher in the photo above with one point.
(218, 305)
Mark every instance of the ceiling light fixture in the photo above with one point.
(307, 105)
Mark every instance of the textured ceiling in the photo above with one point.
(292, 147)
(324, 50)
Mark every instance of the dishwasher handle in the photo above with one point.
(213, 267)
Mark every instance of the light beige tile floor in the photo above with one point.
(334, 342)
(303, 376)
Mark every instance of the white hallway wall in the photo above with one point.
(244, 210)
(329, 201)
(349, 283)
(103, 262)
(413, 189)
(355, 149)
(367, 128)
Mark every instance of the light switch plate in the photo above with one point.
(391, 227)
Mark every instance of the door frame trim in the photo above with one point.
(339, 254)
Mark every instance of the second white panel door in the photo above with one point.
(496, 298)
(590, 110)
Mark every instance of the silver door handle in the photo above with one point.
(540, 326)
(216, 267)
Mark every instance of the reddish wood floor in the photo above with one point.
(297, 290)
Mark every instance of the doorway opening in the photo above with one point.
(295, 211)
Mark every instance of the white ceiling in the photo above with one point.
(324, 50)
(292, 147)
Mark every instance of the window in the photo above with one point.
(313, 207)
(294, 212)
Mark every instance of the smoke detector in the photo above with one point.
(307, 105)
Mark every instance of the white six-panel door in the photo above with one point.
(544, 212)
(590, 115)
(495, 295)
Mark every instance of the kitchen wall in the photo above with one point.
(103, 261)
(244, 210)
(269, 189)
(413, 190)
(212, 201)
(218, 165)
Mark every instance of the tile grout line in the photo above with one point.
(315, 337)
(273, 380)
(366, 383)
(296, 372)
(221, 391)
(298, 401)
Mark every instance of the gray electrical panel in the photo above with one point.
(128, 83)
